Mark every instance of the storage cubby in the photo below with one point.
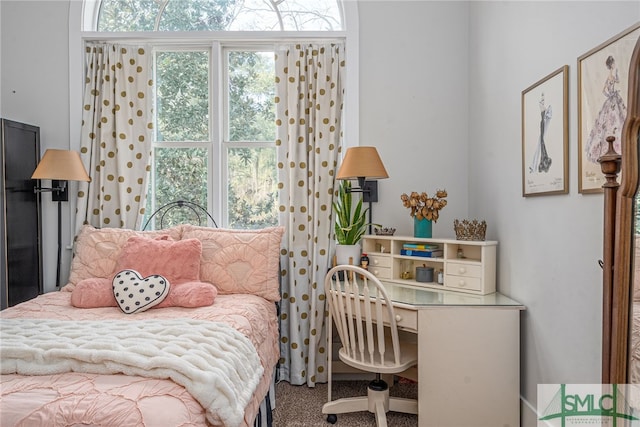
(466, 266)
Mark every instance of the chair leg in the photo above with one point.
(406, 406)
(376, 397)
(381, 415)
(345, 405)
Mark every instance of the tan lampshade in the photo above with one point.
(361, 162)
(63, 165)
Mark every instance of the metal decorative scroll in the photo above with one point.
(190, 210)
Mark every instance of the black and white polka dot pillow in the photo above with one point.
(135, 294)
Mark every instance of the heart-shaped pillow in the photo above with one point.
(135, 294)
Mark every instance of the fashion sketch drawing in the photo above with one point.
(541, 161)
(610, 118)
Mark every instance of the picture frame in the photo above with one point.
(545, 135)
(603, 75)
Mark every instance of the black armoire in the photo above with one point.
(20, 214)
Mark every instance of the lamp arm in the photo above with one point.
(364, 190)
(61, 187)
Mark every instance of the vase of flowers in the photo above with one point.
(422, 227)
(424, 210)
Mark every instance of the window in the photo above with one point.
(214, 139)
(185, 146)
(220, 15)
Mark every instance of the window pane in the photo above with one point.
(180, 174)
(252, 188)
(182, 97)
(199, 15)
(128, 15)
(251, 95)
(220, 15)
(291, 15)
(320, 15)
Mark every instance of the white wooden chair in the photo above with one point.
(366, 324)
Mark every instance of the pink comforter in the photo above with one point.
(120, 400)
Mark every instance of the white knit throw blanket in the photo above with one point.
(215, 363)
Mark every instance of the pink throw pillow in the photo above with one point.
(98, 292)
(240, 261)
(96, 250)
(178, 261)
(190, 295)
(93, 293)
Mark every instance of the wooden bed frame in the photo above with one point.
(619, 238)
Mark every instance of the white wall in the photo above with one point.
(34, 88)
(413, 104)
(549, 246)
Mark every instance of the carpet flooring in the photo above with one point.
(301, 406)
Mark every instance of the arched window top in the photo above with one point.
(219, 15)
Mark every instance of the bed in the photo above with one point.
(204, 355)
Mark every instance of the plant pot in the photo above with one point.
(422, 227)
(346, 253)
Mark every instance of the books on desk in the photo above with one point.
(426, 253)
(421, 246)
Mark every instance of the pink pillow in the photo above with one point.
(98, 292)
(96, 251)
(240, 261)
(178, 261)
(93, 293)
(190, 295)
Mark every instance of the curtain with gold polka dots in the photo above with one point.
(115, 143)
(309, 98)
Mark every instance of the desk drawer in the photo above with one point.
(379, 261)
(407, 320)
(463, 282)
(381, 272)
(461, 269)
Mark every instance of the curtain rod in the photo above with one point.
(223, 36)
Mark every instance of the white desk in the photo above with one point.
(469, 355)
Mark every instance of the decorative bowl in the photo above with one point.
(384, 231)
(470, 229)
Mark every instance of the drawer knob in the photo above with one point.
(376, 272)
(462, 283)
(462, 270)
(398, 318)
(375, 261)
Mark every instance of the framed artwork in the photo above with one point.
(603, 75)
(545, 135)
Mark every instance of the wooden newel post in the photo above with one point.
(610, 164)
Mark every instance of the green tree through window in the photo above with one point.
(219, 15)
(214, 127)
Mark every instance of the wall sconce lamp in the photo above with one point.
(361, 163)
(60, 166)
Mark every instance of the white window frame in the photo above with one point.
(225, 140)
(83, 17)
(212, 145)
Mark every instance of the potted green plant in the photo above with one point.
(351, 224)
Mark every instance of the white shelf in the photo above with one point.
(475, 273)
